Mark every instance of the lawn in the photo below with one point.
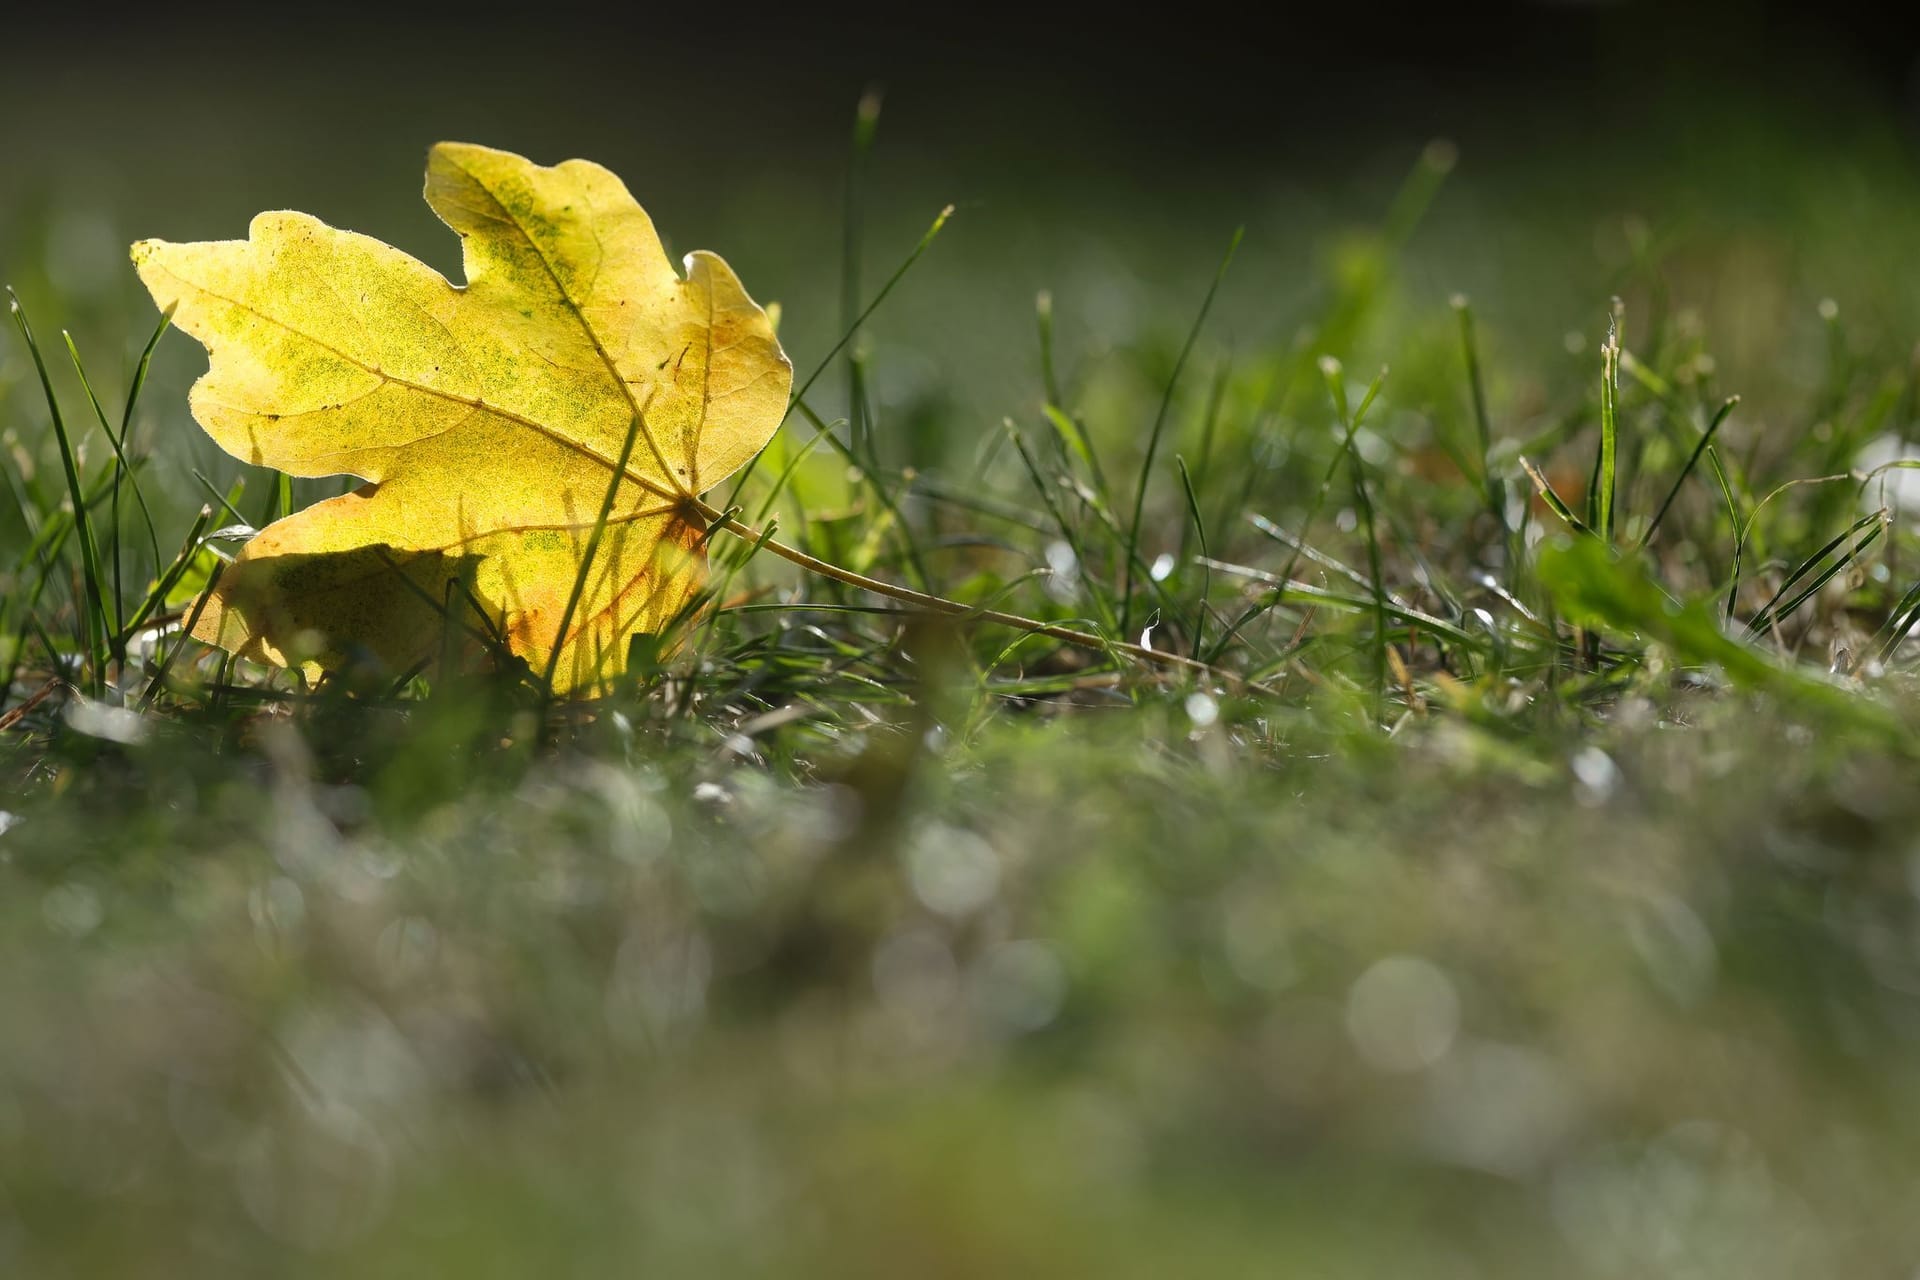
(1479, 841)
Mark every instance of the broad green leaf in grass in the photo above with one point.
(490, 420)
(1595, 587)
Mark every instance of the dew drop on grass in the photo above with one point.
(1501, 1108)
(72, 909)
(107, 723)
(1596, 775)
(954, 872)
(1403, 1014)
(1061, 560)
(1064, 568)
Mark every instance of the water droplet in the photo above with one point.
(1403, 1014)
(954, 872)
(1596, 774)
(72, 909)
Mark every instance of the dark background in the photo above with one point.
(1105, 153)
(1206, 75)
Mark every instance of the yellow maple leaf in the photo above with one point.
(489, 419)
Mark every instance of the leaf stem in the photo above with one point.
(954, 608)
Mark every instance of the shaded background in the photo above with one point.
(1105, 158)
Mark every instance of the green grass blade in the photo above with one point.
(170, 577)
(1699, 450)
(866, 125)
(797, 400)
(1301, 548)
(1073, 437)
(124, 469)
(1159, 426)
(1068, 534)
(226, 500)
(1200, 531)
(882, 492)
(1898, 624)
(1363, 504)
(1482, 420)
(94, 609)
(1594, 587)
(591, 552)
(1544, 488)
(1043, 318)
(186, 636)
(1294, 591)
(1607, 480)
(1774, 611)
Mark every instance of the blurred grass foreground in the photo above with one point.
(1526, 885)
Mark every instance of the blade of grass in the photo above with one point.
(94, 610)
(1159, 425)
(1043, 317)
(1744, 531)
(1363, 503)
(123, 469)
(1693, 460)
(1200, 531)
(1354, 422)
(1482, 421)
(881, 491)
(866, 125)
(1296, 591)
(1209, 424)
(795, 401)
(1873, 525)
(592, 550)
(1733, 519)
(1067, 532)
(1552, 499)
(1073, 437)
(1300, 548)
(1899, 623)
(226, 500)
(954, 608)
(1606, 484)
(186, 634)
(171, 576)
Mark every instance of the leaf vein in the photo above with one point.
(579, 446)
(593, 335)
